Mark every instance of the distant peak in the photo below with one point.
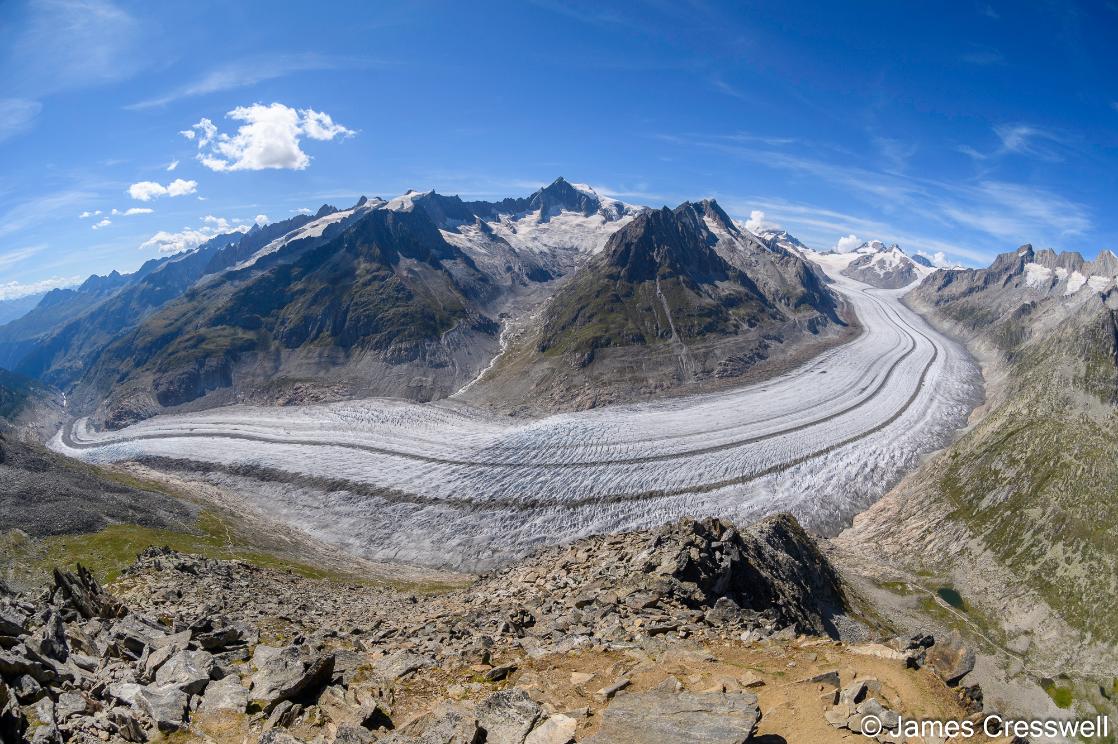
(361, 202)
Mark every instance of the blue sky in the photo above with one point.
(965, 130)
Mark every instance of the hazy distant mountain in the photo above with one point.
(14, 309)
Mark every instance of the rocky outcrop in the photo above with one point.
(177, 647)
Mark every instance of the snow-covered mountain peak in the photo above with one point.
(877, 246)
(406, 201)
(780, 240)
(314, 229)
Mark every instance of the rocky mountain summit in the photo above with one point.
(697, 629)
(886, 267)
(678, 300)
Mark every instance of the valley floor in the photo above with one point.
(448, 485)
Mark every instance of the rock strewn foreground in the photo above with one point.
(656, 636)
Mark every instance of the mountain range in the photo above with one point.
(408, 297)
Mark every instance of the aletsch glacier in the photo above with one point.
(447, 485)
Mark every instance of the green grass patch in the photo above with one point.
(902, 588)
(109, 551)
(1062, 696)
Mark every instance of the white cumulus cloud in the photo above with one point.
(87, 213)
(103, 223)
(938, 259)
(269, 138)
(132, 211)
(190, 237)
(172, 165)
(261, 219)
(148, 190)
(847, 243)
(758, 224)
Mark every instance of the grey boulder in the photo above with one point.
(290, 675)
(508, 716)
(190, 671)
(225, 694)
(660, 717)
(949, 658)
(166, 706)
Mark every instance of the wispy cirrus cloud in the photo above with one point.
(821, 227)
(250, 71)
(1023, 139)
(1009, 213)
(67, 44)
(31, 213)
(984, 57)
(13, 257)
(60, 45)
(17, 115)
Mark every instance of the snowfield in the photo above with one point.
(446, 485)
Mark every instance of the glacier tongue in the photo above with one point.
(447, 485)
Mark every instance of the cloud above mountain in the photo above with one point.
(167, 242)
(270, 137)
(847, 243)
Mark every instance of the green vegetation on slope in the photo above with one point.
(1036, 479)
(109, 551)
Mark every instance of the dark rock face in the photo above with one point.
(773, 566)
(388, 285)
(82, 592)
(667, 276)
(950, 658)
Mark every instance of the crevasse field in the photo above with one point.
(446, 485)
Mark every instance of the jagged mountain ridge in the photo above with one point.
(886, 267)
(185, 331)
(387, 291)
(59, 339)
(659, 278)
(678, 300)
